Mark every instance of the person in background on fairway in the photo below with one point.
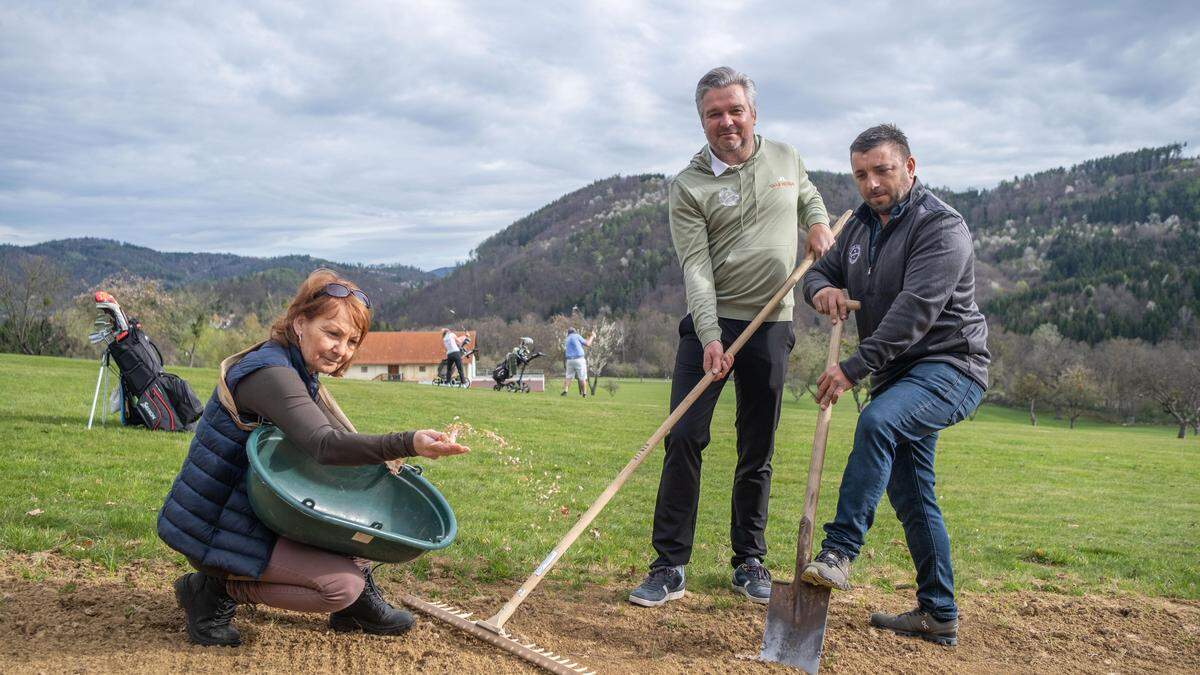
(454, 353)
(734, 212)
(576, 363)
(207, 515)
(907, 257)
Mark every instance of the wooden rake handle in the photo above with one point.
(817, 461)
(498, 619)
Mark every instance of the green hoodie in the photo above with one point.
(736, 234)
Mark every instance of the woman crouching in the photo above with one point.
(207, 515)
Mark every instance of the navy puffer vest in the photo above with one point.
(207, 516)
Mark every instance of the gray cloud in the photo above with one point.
(409, 132)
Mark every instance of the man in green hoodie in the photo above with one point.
(735, 213)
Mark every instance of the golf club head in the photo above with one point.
(108, 304)
(795, 630)
(116, 315)
(103, 329)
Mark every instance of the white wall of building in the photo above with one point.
(365, 371)
(411, 372)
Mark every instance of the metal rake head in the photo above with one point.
(507, 641)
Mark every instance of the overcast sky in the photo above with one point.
(408, 132)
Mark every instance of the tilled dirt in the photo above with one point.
(58, 615)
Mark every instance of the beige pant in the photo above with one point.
(302, 578)
(576, 369)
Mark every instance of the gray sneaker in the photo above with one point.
(916, 623)
(753, 580)
(830, 568)
(661, 584)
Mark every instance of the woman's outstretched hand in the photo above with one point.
(434, 444)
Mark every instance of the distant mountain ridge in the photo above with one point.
(1045, 242)
(87, 261)
(1106, 248)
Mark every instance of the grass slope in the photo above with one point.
(1100, 509)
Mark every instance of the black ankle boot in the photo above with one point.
(209, 610)
(370, 613)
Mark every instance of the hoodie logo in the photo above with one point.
(855, 252)
(728, 197)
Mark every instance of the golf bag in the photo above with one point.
(150, 397)
(513, 366)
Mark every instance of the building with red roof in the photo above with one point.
(412, 356)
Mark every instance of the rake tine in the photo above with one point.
(526, 650)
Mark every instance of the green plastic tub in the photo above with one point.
(357, 510)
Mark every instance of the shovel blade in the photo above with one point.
(795, 631)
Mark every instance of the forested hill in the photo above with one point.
(86, 262)
(1106, 248)
(605, 246)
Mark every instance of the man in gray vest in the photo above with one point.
(907, 257)
(734, 212)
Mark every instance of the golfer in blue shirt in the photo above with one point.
(576, 366)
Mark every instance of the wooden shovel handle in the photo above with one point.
(817, 461)
(497, 620)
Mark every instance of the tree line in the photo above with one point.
(1125, 380)
(1121, 380)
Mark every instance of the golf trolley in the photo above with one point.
(444, 369)
(515, 363)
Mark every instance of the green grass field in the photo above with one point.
(1100, 509)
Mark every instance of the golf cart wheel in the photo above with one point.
(525, 389)
(497, 386)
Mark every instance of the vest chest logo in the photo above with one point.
(782, 182)
(855, 252)
(728, 197)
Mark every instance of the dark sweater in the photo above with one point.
(278, 395)
(917, 291)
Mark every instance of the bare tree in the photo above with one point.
(27, 295)
(1034, 365)
(650, 341)
(1171, 378)
(861, 392)
(192, 317)
(1030, 388)
(1076, 391)
(610, 335)
(1122, 359)
(806, 362)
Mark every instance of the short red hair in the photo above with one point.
(311, 302)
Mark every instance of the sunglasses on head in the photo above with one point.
(336, 290)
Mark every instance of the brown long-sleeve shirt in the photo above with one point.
(278, 395)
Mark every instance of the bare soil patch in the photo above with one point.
(59, 615)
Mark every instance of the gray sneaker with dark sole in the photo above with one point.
(753, 580)
(830, 568)
(918, 624)
(659, 586)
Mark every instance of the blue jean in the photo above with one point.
(894, 449)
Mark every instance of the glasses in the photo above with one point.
(336, 290)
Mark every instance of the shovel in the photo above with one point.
(795, 631)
